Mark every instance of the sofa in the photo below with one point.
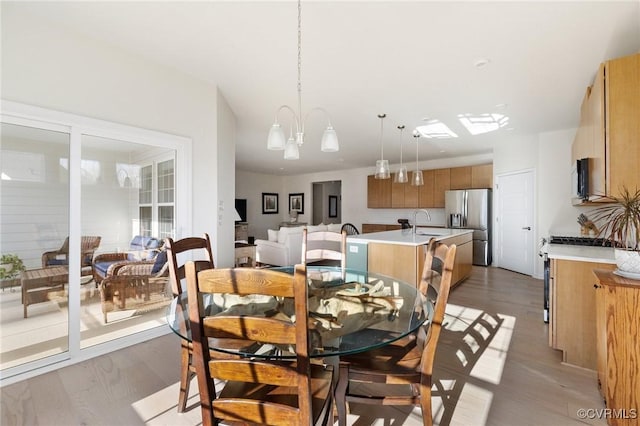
(284, 246)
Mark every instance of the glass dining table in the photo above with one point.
(350, 311)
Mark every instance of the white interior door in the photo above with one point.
(515, 222)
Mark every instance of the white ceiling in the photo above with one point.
(409, 59)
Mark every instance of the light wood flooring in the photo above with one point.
(493, 367)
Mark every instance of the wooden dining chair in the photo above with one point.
(324, 248)
(408, 361)
(257, 390)
(184, 248)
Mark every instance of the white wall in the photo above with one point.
(50, 67)
(224, 256)
(250, 186)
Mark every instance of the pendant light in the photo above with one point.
(382, 165)
(401, 176)
(276, 138)
(416, 179)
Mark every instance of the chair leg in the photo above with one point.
(425, 404)
(185, 378)
(341, 392)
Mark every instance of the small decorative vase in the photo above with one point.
(628, 260)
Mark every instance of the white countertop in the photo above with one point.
(581, 253)
(406, 236)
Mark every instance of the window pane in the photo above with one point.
(165, 182)
(146, 222)
(146, 185)
(165, 219)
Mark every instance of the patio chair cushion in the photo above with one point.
(161, 259)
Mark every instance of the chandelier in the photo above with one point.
(276, 139)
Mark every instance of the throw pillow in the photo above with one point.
(316, 228)
(272, 234)
(161, 259)
(334, 227)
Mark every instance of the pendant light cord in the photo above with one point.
(381, 116)
(300, 62)
(416, 136)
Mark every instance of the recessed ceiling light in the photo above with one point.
(480, 63)
(501, 106)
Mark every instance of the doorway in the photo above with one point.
(515, 219)
(327, 202)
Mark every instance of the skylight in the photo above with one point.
(435, 129)
(478, 124)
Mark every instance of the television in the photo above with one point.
(241, 208)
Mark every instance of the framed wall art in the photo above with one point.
(296, 203)
(269, 203)
(333, 206)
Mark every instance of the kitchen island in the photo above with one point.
(400, 253)
(572, 301)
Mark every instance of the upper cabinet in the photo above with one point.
(609, 132)
(383, 193)
(482, 176)
(460, 177)
(378, 193)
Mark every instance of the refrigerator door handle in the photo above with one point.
(465, 208)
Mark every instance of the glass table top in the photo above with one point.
(350, 311)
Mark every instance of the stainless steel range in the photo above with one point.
(566, 240)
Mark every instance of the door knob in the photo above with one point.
(527, 228)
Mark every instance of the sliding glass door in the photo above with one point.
(85, 206)
(34, 231)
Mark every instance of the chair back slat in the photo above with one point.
(258, 329)
(244, 281)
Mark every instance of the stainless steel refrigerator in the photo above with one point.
(471, 209)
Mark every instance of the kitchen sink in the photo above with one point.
(429, 233)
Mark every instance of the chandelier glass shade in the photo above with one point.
(417, 179)
(401, 176)
(276, 139)
(382, 165)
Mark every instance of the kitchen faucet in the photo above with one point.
(415, 215)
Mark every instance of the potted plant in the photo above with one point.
(620, 223)
(10, 267)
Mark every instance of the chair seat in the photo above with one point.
(257, 394)
(102, 267)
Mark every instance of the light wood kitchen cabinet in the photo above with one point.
(378, 193)
(406, 262)
(404, 195)
(573, 309)
(441, 183)
(482, 176)
(384, 193)
(460, 177)
(618, 348)
(609, 127)
(368, 228)
(426, 191)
